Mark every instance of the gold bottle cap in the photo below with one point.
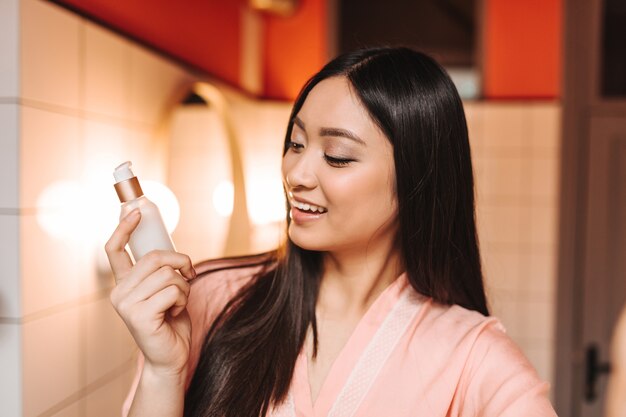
(128, 189)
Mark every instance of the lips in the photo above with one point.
(311, 208)
(304, 212)
(306, 206)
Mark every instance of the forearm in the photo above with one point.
(158, 395)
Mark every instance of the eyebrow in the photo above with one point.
(332, 131)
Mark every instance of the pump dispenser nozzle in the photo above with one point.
(123, 172)
(126, 184)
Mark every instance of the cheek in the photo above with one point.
(364, 192)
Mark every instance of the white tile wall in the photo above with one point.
(52, 360)
(505, 125)
(149, 103)
(49, 51)
(516, 161)
(542, 270)
(545, 128)
(106, 63)
(104, 350)
(73, 410)
(499, 223)
(9, 154)
(9, 45)
(10, 363)
(105, 146)
(50, 152)
(107, 400)
(10, 305)
(90, 100)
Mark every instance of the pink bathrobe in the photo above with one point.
(408, 356)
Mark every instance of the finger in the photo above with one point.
(168, 298)
(156, 259)
(158, 281)
(115, 247)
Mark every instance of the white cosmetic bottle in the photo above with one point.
(150, 233)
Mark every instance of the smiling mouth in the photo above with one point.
(309, 208)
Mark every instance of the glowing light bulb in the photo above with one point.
(266, 200)
(60, 210)
(223, 198)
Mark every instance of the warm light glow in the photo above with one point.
(266, 199)
(165, 200)
(71, 211)
(223, 198)
(60, 210)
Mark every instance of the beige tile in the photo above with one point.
(506, 125)
(51, 360)
(50, 68)
(74, 409)
(10, 305)
(96, 276)
(154, 85)
(198, 130)
(542, 276)
(475, 116)
(108, 344)
(504, 306)
(545, 127)
(500, 177)
(107, 400)
(544, 179)
(106, 145)
(9, 45)
(538, 318)
(502, 268)
(144, 145)
(106, 72)
(9, 155)
(543, 226)
(498, 224)
(50, 270)
(10, 363)
(540, 355)
(50, 152)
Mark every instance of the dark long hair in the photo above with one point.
(250, 352)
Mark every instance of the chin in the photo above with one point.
(311, 242)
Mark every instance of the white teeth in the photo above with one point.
(308, 207)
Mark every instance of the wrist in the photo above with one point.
(163, 376)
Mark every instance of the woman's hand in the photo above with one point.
(151, 298)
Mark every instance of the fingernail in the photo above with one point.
(133, 215)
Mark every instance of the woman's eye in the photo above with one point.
(295, 146)
(339, 162)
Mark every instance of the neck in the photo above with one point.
(352, 280)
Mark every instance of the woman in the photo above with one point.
(375, 305)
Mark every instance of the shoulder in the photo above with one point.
(458, 326)
(492, 376)
(497, 378)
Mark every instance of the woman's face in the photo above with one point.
(339, 174)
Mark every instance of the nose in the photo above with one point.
(299, 172)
